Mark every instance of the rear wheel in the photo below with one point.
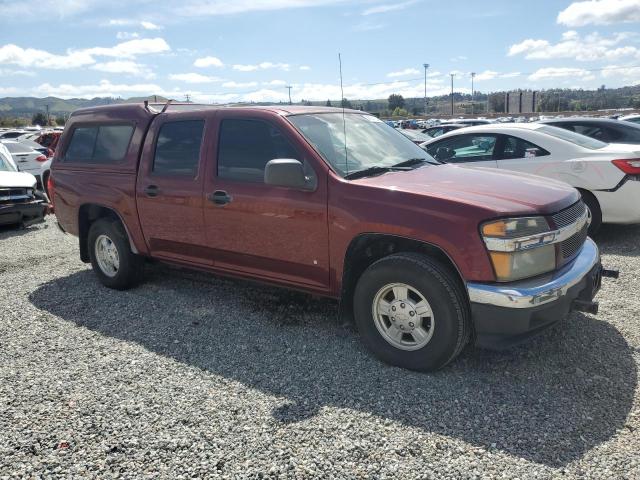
(111, 257)
(594, 208)
(411, 312)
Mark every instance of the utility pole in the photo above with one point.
(288, 87)
(452, 75)
(187, 97)
(473, 92)
(425, 65)
(48, 119)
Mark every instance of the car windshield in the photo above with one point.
(5, 165)
(357, 143)
(15, 147)
(575, 138)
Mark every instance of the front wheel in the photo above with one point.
(112, 260)
(411, 312)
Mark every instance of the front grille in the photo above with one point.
(572, 245)
(569, 215)
(15, 195)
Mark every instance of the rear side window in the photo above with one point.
(178, 148)
(99, 144)
(246, 146)
(515, 147)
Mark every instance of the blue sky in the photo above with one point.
(249, 50)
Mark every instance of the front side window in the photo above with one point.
(245, 147)
(99, 144)
(464, 148)
(518, 148)
(354, 142)
(178, 148)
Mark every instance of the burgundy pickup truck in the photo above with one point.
(425, 257)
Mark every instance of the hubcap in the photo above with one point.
(403, 316)
(107, 256)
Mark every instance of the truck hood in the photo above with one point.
(501, 192)
(17, 180)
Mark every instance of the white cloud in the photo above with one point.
(205, 62)
(125, 67)
(510, 75)
(193, 78)
(262, 66)
(305, 67)
(628, 74)
(486, 75)
(127, 35)
(561, 72)
(199, 8)
(103, 89)
(275, 83)
(388, 7)
(132, 48)
(600, 12)
(582, 48)
(239, 84)
(150, 25)
(403, 73)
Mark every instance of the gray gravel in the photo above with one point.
(191, 375)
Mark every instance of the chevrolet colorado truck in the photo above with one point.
(425, 257)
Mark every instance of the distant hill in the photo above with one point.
(26, 107)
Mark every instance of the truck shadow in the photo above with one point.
(619, 240)
(549, 401)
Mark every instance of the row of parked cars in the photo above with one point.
(598, 156)
(25, 160)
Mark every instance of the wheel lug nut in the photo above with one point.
(411, 324)
(402, 305)
(393, 319)
(393, 308)
(401, 327)
(411, 314)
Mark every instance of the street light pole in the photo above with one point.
(452, 75)
(288, 87)
(425, 65)
(473, 92)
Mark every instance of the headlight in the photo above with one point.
(520, 247)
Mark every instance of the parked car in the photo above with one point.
(634, 118)
(415, 136)
(468, 122)
(605, 130)
(19, 201)
(425, 256)
(12, 134)
(605, 174)
(27, 159)
(49, 140)
(443, 128)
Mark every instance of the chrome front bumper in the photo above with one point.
(540, 290)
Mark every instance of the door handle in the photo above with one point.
(151, 191)
(219, 197)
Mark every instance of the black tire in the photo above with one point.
(131, 266)
(451, 311)
(596, 213)
(45, 186)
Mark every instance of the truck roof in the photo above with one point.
(134, 109)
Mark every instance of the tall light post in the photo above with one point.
(425, 65)
(473, 92)
(288, 87)
(452, 75)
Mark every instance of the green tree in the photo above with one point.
(346, 103)
(39, 119)
(395, 101)
(399, 112)
(328, 104)
(60, 121)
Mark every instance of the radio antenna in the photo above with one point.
(344, 123)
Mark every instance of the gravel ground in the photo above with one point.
(191, 375)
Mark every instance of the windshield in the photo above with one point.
(5, 165)
(575, 138)
(369, 141)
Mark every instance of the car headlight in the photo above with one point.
(520, 247)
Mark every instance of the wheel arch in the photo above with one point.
(88, 213)
(367, 248)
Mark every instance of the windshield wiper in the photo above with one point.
(415, 161)
(375, 170)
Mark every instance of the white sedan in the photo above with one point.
(607, 175)
(26, 158)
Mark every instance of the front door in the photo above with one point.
(169, 189)
(256, 229)
(472, 150)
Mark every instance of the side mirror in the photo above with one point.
(290, 173)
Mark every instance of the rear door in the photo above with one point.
(260, 230)
(470, 149)
(169, 188)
